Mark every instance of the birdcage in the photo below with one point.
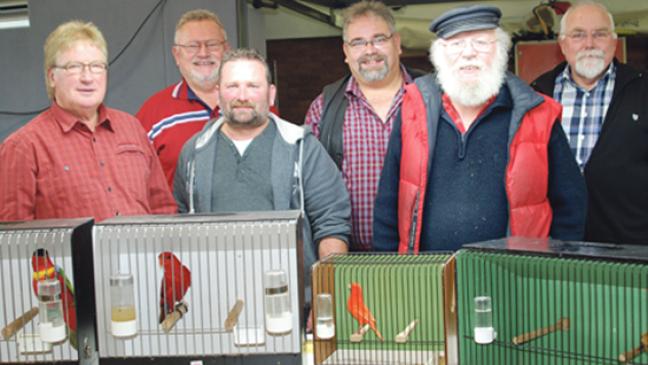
(381, 309)
(179, 288)
(526, 301)
(43, 309)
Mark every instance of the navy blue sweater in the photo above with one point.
(465, 199)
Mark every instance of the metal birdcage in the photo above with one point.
(381, 309)
(525, 301)
(42, 293)
(239, 292)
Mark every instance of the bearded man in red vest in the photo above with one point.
(475, 154)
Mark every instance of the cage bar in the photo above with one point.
(405, 295)
(554, 302)
(35, 251)
(226, 257)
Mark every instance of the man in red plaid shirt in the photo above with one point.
(80, 158)
(353, 116)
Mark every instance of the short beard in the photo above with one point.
(206, 82)
(374, 75)
(471, 93)
(256, 119)
(590, 63)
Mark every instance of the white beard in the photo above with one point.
(205, 81)
(474, 92)
(590, 64)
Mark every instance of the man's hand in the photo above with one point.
(331, 245)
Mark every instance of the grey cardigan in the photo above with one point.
(303, 177)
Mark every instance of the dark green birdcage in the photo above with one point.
(553, 303)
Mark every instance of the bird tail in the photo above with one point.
(72, 335)
(375, 329)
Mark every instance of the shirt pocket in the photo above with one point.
(132, 170)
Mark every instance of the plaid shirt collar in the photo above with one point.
(67, 121)
(565, 76)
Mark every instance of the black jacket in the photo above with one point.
(333, 110)
(617, 171)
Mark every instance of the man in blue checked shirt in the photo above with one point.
(605, 117)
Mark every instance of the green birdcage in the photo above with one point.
(552, 302)
(405, 294)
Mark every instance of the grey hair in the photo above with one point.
(199, 15)
(247, 54)
(366, 8)
(580, 4)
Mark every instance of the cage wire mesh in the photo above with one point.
(30, 253)
(221, 278)
(386, 309)
(552, 308)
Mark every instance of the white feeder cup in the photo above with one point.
(123, 319)
(324, 324)
(278, 314)
(52, 324)
(484, 331)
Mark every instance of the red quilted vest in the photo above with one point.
(527, 171)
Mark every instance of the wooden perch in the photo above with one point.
(170, 320)
(233, 315)
(562, 324)
(357, 336)
(19, 323)
(629, 355)
(402, 336)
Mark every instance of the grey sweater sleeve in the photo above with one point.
(326, 199)
(180, 179)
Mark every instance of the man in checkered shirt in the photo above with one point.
(353, 116)
(606, 121)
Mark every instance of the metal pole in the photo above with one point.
(242, 23)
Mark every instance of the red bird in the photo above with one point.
(175, 282)
(44, 269)
(359, 311)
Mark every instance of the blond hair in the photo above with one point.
(198, 15)
(63, 37)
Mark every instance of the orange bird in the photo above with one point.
(175, 282)
(359, 311)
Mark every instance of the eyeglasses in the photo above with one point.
(580, 35)
(194, 47)
(377, 41)
(76, 68)
(478, 44)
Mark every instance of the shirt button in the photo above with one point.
(109, 189)
(117, 213)
(101, 163)
(94, 139)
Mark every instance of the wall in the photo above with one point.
(303, 66)
(145, 67)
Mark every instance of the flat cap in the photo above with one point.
(465, 19)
